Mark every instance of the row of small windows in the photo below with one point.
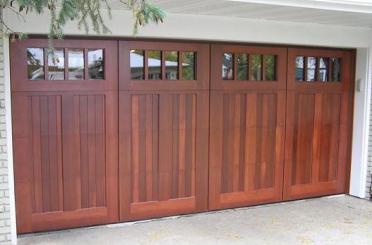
(57, 66)
(177, 65)
(148, 65)
(252, 67)
(322, 69)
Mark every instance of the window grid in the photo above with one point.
(93, 71)
(169, 65)
(249, 67)
(318, 69)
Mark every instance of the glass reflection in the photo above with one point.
(56, 65)
(35, 63)
(95, 64)
(154, 64)
(75, 64)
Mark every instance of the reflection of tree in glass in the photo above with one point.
(171, 65)
(242, 61)
(256, 67)
(269, 61)
(188, 65)
(31, 59)
(35, 63)
(227, 66)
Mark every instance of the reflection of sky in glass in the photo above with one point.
(37, 54)
(94, 55)
(75, 58)
(57, 59)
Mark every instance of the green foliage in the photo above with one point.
(88, 14)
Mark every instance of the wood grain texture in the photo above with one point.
(66, 139)
(92, 152)
(318, 130)
(246, 133)
(163, 137)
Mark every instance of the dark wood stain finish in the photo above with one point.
(65, 144)
(246, 133)
(163, 137)
(318, 129)
(101, 151)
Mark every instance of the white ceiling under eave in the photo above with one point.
(354, 13)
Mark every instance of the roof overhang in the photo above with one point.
(356, 6)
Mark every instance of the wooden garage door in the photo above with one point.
(163, 128)
(65, 133)
(319, 118)
(247, 125)
(108, 131)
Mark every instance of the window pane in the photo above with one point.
(227, 66)
(75, 64)
(154, 65)
(323, 69)
(188, 65)
(256, 67)
(56, 65)
(171, 65)
(270, 63)
(96, 64)
(35, 63)
(311, 67)
(336, 69)
(137, 61)
(300, 71)
(242, 61)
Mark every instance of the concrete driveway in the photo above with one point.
(328, 220)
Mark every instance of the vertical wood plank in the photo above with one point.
(175, 145)
(91, 150)
(316, 139)
(242, 132)
(100, 151)
(189, 147)
(36, 156)
(135, 148)
(250, 141)
(155, 146)
(236, 143)
(53, 150)
(181, 146)
(149, 147)
(83, 123)
(193, 143)
(165, 146)
(45, 160)
(142, 148)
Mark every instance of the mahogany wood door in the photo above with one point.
(247, 125)
(319, 119)
(65, 133)
(163, 128)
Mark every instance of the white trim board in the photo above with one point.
(9, 139)
(218, 28)
(359, 156)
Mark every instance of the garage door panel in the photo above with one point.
(247, 137)
(161, 163)
(318, 123)
(247, 125)
(70, 155)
